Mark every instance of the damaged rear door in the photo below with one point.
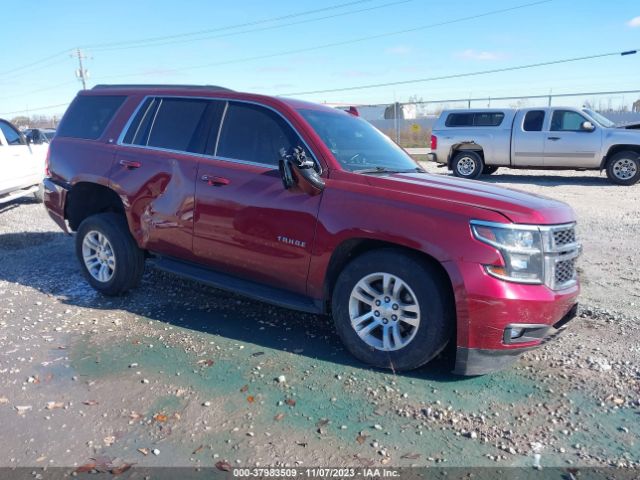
(155, 170)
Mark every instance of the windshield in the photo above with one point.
(357, 144)
(600, 119)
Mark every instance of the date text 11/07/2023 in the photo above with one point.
(316, 472)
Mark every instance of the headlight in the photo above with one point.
(521, 249)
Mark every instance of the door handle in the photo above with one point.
(130, 164)
(554, 138)
(214, 181)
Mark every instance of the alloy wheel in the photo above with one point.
(384, 311)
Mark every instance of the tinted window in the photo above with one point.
(10, 134)
(88, 116)
(488, 119)
(459, 120)
(477, 119)
(138, 132)
(533, 121)
(567, 121)
(254, 134)
(176, 123)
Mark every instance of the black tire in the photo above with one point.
(489, 169)
(436, 306)
(39, 194)
(467, 164)
(623, 164)
(129, 259)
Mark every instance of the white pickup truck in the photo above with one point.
(473, 142)
(22, 166)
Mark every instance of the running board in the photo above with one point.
(247, 288)
(19, 194)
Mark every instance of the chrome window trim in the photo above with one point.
(127, 125)
(135, 134)
(153, 122)
(227, 101)
(222, 117)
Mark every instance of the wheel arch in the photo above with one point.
(352, 248)
(87, 198)
(464, 147)
(615, 149)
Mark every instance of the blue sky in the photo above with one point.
(552, 30)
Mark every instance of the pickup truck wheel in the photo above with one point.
(624, 168)
(391, 310)
(109, 257)
(488, 170)
(467, 164)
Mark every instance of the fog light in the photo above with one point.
(515, 333)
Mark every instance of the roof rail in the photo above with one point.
(142, 86)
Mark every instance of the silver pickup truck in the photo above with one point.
(475, 142)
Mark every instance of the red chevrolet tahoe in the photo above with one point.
(313, 209)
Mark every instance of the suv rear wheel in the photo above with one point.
(624, 168)
(109, 257)
(391, 310)
(467, 164)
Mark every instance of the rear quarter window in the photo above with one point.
(474, 119)
(88, 116)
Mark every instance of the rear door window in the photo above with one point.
(533, 121)
(138, 133)
(89, 115)
(254, 134)
(175, 125)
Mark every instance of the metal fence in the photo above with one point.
(410, 123)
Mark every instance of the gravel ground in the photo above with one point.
(184, 375)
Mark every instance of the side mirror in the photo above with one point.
(296, 169)
(587, 126)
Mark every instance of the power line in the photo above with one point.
(461, 75)
(262, 29)
(37, 62)
(347, 42)
(35, 109)
(46, 89)
(103, 46)
(228, 27)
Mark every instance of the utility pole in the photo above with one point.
(81, 73)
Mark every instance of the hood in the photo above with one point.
(631, 126)
(519, 207)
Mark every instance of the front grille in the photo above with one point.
(562, 257)
(565, 271)
(564, 237)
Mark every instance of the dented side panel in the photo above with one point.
(158, 195)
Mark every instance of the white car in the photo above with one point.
(22, 165)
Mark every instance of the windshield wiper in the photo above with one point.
(388, 170)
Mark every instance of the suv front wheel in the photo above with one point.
(391, 310)
(109, 257)
(467, 164)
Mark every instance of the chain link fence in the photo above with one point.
(410, 123)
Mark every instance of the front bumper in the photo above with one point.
(480, 361)
(55, 196)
